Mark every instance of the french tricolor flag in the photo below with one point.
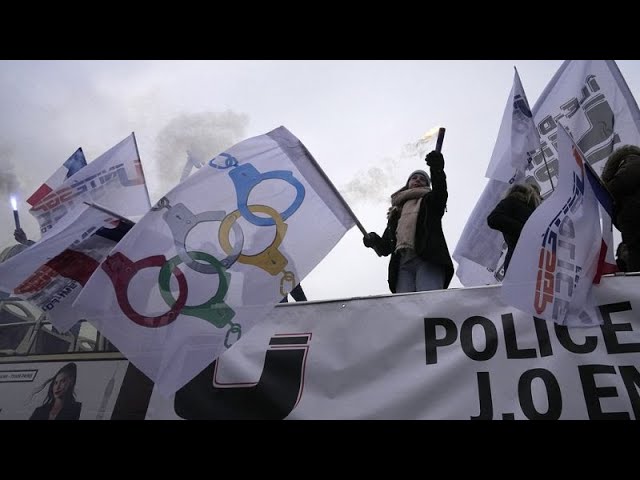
(606, 260)
(74, 163)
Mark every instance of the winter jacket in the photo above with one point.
(508, 217)
(430, 243)
(621, 175)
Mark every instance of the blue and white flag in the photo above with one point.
(481, 249)
(592, 100)
(558, 254)
(518, 137)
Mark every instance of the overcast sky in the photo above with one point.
(359, 119)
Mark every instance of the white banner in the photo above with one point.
(452, 354)
(592, 100)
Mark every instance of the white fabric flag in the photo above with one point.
(114, 180)
(518, 137)
(480, 262)
(593, 101)
(50, 274)
(214, 255)
(556, 259)
(74, 163)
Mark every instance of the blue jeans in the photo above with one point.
(418, 275)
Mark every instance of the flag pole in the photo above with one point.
(135, 142)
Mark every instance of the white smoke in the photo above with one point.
(9, 183)
(421, 146)
(372, 185)
(200, 135)
(378, 182)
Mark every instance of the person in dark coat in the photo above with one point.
(512, 212)
(21, 237)
(60, 403)
(621, 176)
(622, 257)
(420, 259)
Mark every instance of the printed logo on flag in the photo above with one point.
(597, 142)
(521, 113)
(70, 264)
(181, 221)
(557, 253)
(56, 204)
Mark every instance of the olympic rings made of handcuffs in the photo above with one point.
(181, 221)
(121, 270)
(229, 161)
(270, 259)
(213, 310)
(245, 177)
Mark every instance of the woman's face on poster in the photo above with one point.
(61, 384)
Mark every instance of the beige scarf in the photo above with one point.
(406, 202)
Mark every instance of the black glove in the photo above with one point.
(435, 160)
(370, 239)
(20, 236)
